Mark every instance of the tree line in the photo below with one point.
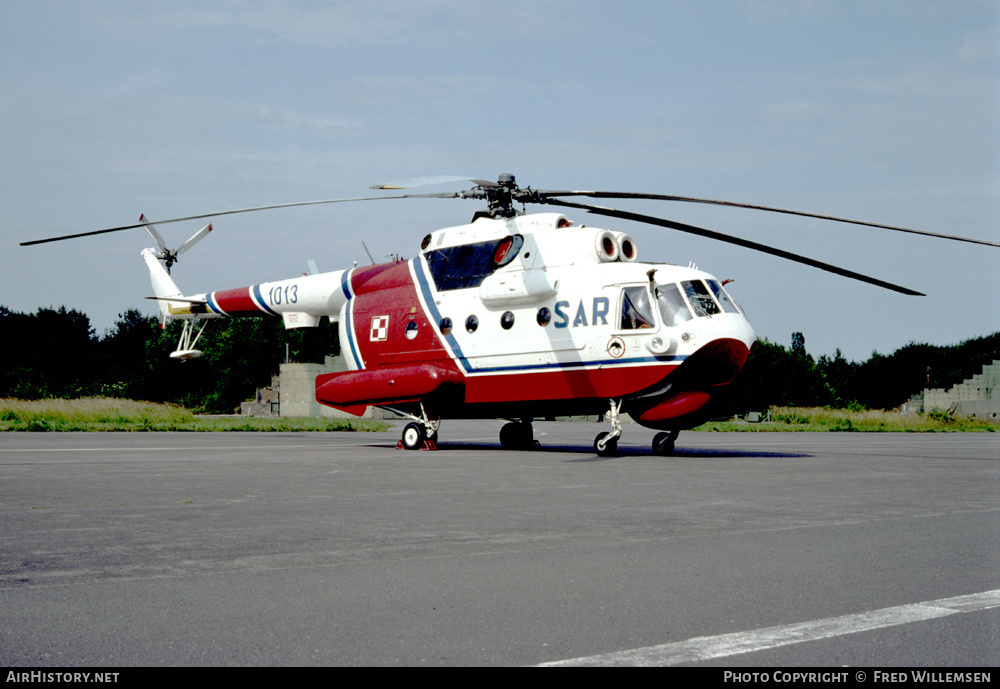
(780, 376)
(56, 353)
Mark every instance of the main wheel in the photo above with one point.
(516, 435)
(604, 447)
(414, 436)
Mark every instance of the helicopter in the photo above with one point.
(514, 316)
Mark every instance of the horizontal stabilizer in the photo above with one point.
(186, 301)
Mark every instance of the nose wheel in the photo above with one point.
(606, 444)
(663, 443)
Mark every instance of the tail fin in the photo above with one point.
(159, 274)
(163, 285)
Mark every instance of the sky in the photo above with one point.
(886, 111)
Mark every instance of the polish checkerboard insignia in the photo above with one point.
(380, 329)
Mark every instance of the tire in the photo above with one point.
(663, 444)
(413, 436)
(605, 448)
(516, 435)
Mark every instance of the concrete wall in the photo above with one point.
(266, 403)
(298, 391)
(973, 397)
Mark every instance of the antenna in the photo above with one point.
(368, 252)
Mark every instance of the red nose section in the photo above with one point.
(675, 407)
(692, 384)
(717, 363)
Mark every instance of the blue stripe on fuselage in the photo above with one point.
(352, 346)
(259, 298)
(425, 290)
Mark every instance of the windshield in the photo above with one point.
(701, 300)
(728, 305)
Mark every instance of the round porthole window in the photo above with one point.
(411, 330)
(544, 317)
(446, 326)
(507, 320)
(471, 324)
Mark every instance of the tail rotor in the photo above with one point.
(169, 256)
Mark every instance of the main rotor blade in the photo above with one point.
(243, 210)
(428, 181)
(734, 204)
(746, 243)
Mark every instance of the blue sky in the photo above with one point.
(886, 111)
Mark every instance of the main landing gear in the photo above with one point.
(421, 434)
(517, 435)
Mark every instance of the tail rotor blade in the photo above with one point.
(194, 239)
(153, 233)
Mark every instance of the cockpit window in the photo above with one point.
(701, 300)
(467, 265)
(722, 297)
(673, 310)
(636, 311)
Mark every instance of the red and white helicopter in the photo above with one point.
(511, 316)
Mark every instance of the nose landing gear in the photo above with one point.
(606, 444)
(663, 443)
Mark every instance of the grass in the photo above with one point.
(112, 414)
(863, 421)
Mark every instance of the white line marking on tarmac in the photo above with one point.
(707, 647)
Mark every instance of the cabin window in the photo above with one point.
(636, 312)
(673, 309)
(507, 320)
(471, 324)
(446, 326)
(544, 316)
